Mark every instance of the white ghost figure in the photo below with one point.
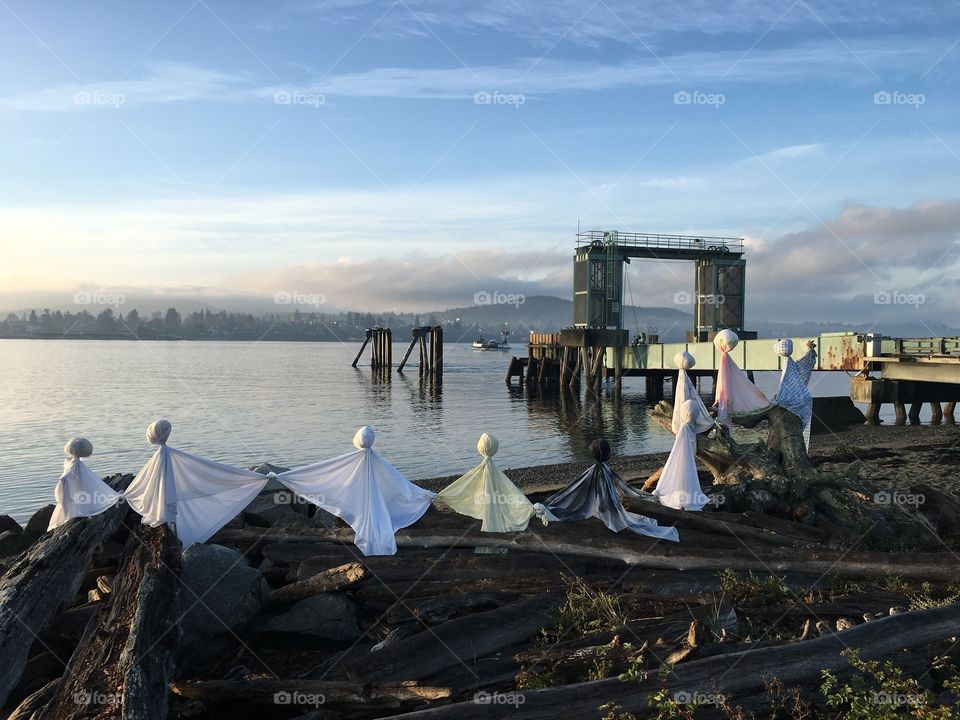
(198, 496)
(793, 394)
(735, 394)
(686, 390)
(80, 493)
(486, 494)
(679, 486)
(365, 491)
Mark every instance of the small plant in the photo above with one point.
(588, 611)
(742, 588)
(615, 712)
(928, 598)
(879, 691)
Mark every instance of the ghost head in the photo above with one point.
(784, 348)
(684, 360)
(78, 447)
(600, 449)
(364, 438)
(158, 432)
(725, 340)
(488, 445)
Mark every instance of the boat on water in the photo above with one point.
(502, 344)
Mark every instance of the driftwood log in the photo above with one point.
(325, 693)
(338, 578)
(459, 641)
(122, 666)
(41, 582)
(743, 672)
(647, 553)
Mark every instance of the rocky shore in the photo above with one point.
(279, 616)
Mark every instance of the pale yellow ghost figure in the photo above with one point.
(487, 494)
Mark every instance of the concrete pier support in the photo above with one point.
(914, 414)
(936, 413)
(901, 410)
(948, 413)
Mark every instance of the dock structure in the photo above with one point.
(900, 371)
(428, 338)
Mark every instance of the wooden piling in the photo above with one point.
(363, 347)
(901, 411)
(914, 414)
(936, 413)
(873, 414)
(948, 413)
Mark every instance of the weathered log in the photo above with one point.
(646, 552)
(122, 665)
(744, 672)
(436, 610)
(34, 702)
(41, 582)
(338, 578)
(459, 641)
(316, 693)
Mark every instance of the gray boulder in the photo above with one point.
(274, 510)
(37, 524)
(220, 597)
(13, 543)
(328, 620)
(8, 523)
(323, 519)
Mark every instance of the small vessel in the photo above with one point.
(502, 344)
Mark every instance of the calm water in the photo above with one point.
(287, 403)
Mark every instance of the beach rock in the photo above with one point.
(13, 543)
(8, 523)
(272, 484)
(38, 522)
(273, 510)
(327, 620)
(220, 597)
(323, 519)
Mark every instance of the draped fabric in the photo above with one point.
(486, 494)
(793, 394)
(80, 493)
(735, 394)
(597, 493)
(686, 390)
(197, 495)
(365, 491)
(679, 485)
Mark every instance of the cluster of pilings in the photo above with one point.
(942, 398)
(429, 339)
(566, 359)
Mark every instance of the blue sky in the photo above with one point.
(409, 154)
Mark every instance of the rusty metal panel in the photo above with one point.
(840, 352)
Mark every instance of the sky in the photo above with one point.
(412, 154)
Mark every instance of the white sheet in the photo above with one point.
(367, 492)
(686, 390)
(486, 494)
(79, 492)
(197, 495)
(679, 486)
(735, 394)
